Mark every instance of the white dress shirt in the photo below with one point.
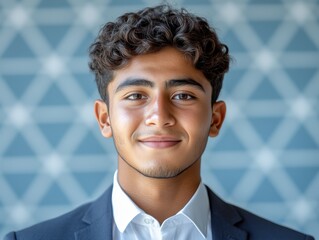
(131, 222)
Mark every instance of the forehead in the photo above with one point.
(163, 65)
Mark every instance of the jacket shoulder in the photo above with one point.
(254, 226)
(68, 224)
(61, 227)
(261, 228)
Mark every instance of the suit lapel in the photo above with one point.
(99, 218)
(223, 220)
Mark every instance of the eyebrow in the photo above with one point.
(134, 82)
(169, 84)
(184, 82)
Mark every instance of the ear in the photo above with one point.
(103, 118)
(219, 113)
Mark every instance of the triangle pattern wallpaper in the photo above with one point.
(53, 157)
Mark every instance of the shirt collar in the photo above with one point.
(122, 216)
(196, 210)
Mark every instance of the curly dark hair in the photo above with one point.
(148, 31)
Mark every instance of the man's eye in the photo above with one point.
(183, 96)
(135, 96)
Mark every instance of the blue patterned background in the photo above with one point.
(53, 158)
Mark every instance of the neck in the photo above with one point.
(159, 197)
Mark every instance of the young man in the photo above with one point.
(159, 72)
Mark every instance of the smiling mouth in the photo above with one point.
(160, 142)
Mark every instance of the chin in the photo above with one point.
(161, 172)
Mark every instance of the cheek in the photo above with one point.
(200, 116)
(120, 112)
(125, 121)
(197, 123)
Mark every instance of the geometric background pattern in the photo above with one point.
(53, 158)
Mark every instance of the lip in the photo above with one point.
(160, 141)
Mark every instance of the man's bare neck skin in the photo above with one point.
(160, 198)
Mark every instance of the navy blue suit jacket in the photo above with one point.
(94, 221)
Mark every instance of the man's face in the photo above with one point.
(160, 114)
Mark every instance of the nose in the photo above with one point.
(159, 113)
